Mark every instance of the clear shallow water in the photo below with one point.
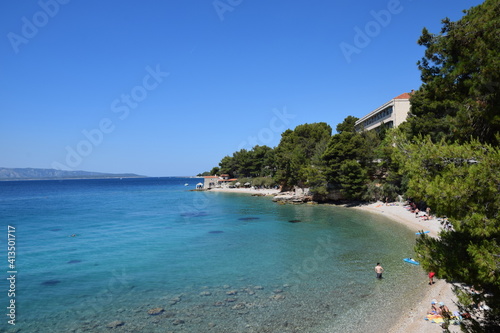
(215, 262)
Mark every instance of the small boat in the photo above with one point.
(411, 261)
(422, 232)
(186, 184)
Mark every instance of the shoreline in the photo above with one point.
(412, 319)
(262, 192)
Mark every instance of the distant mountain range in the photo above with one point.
(34, 173)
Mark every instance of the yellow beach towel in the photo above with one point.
(438, 319)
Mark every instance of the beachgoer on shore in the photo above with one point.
(431, 278)
(434, 309)
(446, 314)
(379, 270)
(443, 310)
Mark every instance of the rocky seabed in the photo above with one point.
(221, 309)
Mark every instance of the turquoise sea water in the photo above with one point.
(90, 252)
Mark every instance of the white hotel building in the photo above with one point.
(391, 114)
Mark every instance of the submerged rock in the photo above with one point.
(155, 311)
(175, 300)
(238, 306)
(277, 297)
(74, 261)
(115, 324)
(50, 282)
(194, 214)
(248, 218)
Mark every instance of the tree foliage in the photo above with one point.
(449, 154)
(299, 152)
(352, 179)
(462, 182)
(350, 159)
(258, 162)
(309, 156)
(347, 125)
(460, 94)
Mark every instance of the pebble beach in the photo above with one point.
(413, 319)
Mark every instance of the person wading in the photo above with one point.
(379, 270)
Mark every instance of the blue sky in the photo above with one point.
(167, 88)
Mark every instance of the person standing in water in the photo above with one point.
(379, 270)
